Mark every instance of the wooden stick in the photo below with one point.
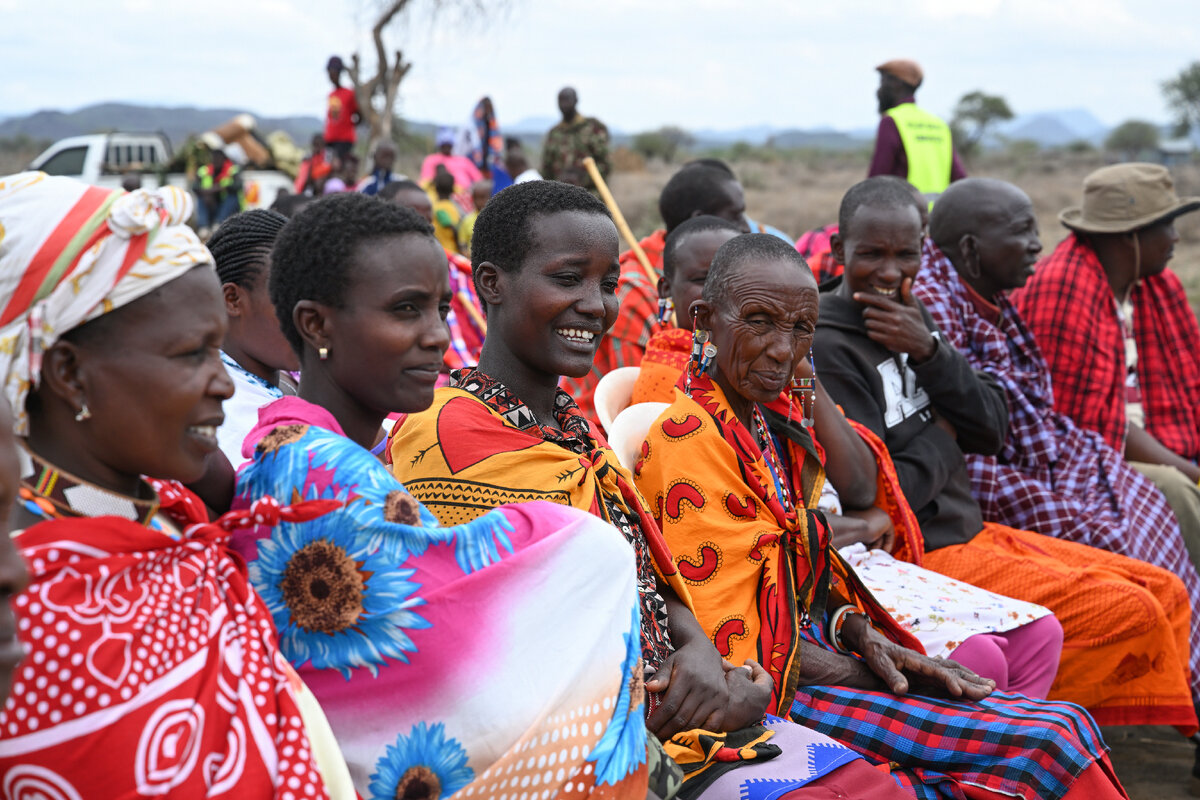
(473, 312)
(589, 164)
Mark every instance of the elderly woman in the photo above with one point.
(418, 639)
(733, 479)
(153, 668)
(1014, 643)
(546, 266)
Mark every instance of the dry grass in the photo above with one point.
(799, 194)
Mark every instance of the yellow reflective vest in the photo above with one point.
(927, 146)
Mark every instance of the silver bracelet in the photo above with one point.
(835, 624)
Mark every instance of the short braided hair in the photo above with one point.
(241, 245)
(315, 251)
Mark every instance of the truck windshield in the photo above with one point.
(66, 162)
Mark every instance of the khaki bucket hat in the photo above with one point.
(1126, 197)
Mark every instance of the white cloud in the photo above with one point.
(700, 63)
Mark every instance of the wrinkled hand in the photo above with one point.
(897, 324)
(693, 686)
(901, 669)
(750, 689)
(881, 533)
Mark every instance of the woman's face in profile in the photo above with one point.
(388, 337)
(153, 380)
(762, 328)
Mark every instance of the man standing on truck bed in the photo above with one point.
(341, 112)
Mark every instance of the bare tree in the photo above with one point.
(377, 94)
(385, 83)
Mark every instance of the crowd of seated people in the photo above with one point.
(321, 510)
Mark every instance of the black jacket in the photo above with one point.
(896, 400)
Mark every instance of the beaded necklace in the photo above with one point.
(53, 493)
(767, 444)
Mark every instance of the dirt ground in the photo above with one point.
(1153, 762)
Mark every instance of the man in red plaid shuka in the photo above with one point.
(1115, 327)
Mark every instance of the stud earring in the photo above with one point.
(83, 413)
(666, 307)
(323, 353)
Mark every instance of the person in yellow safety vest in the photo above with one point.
(911, 143)
(218, 188)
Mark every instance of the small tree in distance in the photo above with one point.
(664, 143)
(974, 114)
(1131, 138)
(1183, 97)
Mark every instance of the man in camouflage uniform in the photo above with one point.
(571, 141)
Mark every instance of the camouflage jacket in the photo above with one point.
(568, 143)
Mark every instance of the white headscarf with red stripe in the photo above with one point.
(70, 253)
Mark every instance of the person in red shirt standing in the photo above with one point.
(341, 114)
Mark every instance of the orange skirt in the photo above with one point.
(1125, 622)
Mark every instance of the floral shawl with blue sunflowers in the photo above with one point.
(427, 647)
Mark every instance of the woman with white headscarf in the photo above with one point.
(153, 668)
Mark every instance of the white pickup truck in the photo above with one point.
(104, 159)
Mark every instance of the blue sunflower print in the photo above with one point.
(422, 764)
(622, 748)
(336, 601)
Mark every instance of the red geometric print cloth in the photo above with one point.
(153, 668)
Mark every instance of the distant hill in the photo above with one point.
(1047, 128)
(176, 123)
(1054, 128)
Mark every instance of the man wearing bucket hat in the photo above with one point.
(911, 143)
(1115, 326)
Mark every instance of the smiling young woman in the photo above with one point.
(417, 638)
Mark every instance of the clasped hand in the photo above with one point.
(699, 689)
(902, 670)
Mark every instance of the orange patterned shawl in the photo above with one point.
(755, 569)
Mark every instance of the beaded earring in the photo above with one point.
(804, 394)
(666, 307)
(703, 353)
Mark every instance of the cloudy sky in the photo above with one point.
(636, 64)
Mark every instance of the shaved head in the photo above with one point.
(988, 230)
(968, 205)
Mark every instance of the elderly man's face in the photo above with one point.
(1007, 243)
